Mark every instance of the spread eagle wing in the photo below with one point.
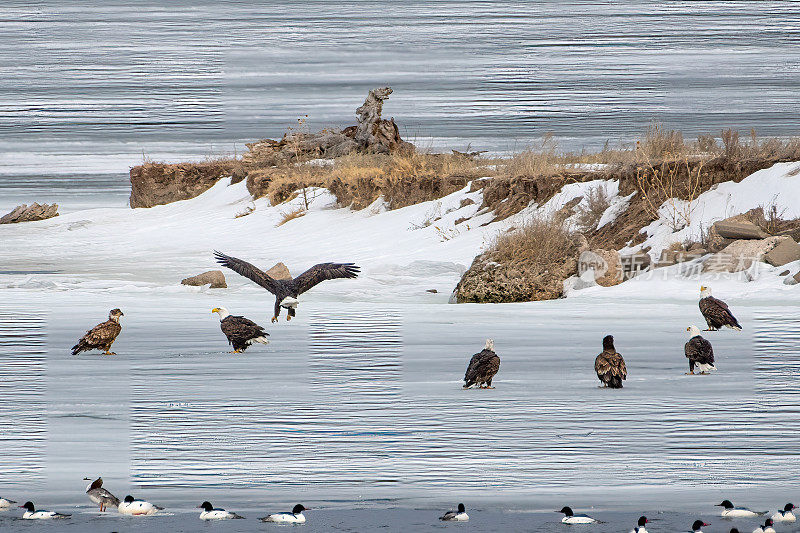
(610, 363)
(324, 271)
(699, 350)
(248, 270)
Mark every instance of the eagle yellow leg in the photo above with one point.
(108, 353)
(288, 318)
(237, 351)
(274, 319)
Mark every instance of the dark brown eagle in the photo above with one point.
(699, 352)
(102, 336)
(610, 366)
(287, 291)
(482, 367)
(716, 312)
(240, 331)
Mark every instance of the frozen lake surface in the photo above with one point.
(360, 406)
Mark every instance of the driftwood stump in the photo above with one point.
(26, 213)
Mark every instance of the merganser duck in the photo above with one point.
(99, 495)
(134, 507)
(5, 503)
(697, 527)
(460, 515)
(730, 511)
(766, 528)
(295, 517)
(32, 514)
(210, 513)
(640, 525)
(780, 516)
(572, 518)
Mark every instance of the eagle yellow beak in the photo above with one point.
(215, 310)
(687, 329)
(703, 287)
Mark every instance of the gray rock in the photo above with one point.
(215, 278)
(740, 255)
(576, 283)
(785, 252)
(792, 280)
(738, 229)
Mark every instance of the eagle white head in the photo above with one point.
(489, 345)
(705, 291)
(694, 331)
(221, 311)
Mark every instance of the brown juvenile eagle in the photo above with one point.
(716, 312)
(699, 352)
(610, 366)
(102, 336)
(240, 331)
(482, 367)
(287, 291)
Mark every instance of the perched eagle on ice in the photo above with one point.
(102, 336)
(610, 366)
(482, 367)
(287, 291)
(699, 352)
(716, 312)
(241, 332)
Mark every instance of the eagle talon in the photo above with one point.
(274, 319)
(288, 318)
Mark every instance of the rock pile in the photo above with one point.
(30, 213)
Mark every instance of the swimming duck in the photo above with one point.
(730, 511)
(132, 506)
(460, 515)
(5, 503)
(572, 518)
(295, 517)
(786, 515)
(697, 527)
(32, 514)
(640, 525)
(99, 495)
(766, 528)
(210, 513)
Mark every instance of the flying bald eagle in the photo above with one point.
(287, 291)
(610, 366)
(716, 312)
(102, 336)
(482, 367)
(241, 332)
(699, 352)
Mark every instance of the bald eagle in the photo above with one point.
(240, 331)
(699, 352)
(610, 366)
(287, 291)
(102, 336)
(716, 312)
(482, 367)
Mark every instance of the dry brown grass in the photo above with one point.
(542, 242)
(590, 212)
(291, 215)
